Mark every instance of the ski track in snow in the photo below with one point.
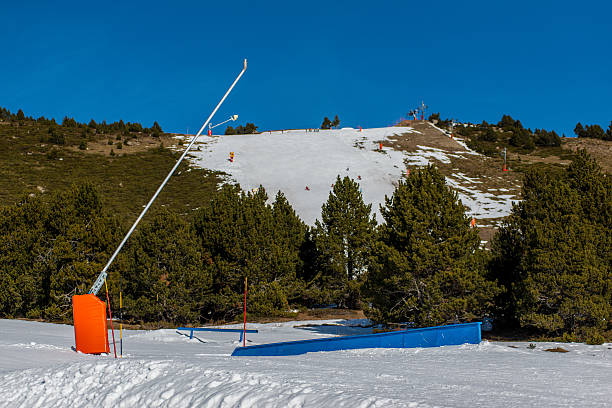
(164, 368)
(292, 160)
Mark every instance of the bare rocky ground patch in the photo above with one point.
(600, 150)
(479, 180)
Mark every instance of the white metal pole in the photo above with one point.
(102, 277)
(225, 121)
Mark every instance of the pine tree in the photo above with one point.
(156, 129)
(553, 254)
(344, 237)
(56, 136)
(327, 124)
(506, 122)
(595, 132)
(290, 235)
(240, 232)
(250, 128)
(336, 122)
(429, 268)
(20, 115)
(52, 248)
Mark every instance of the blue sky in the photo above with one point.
(546, 63)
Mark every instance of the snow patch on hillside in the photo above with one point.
(303, 164)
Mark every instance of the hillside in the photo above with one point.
(31, 164)
(600, 150)
(128, 166)
(304, 165)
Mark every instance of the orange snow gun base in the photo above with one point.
(90, 330)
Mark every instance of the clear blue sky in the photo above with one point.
(548, 64)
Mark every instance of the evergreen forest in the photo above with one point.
(548, 272)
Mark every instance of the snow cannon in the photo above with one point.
(89, 312)
(90, 329)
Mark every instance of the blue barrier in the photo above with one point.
(450, 335)
(192, 329)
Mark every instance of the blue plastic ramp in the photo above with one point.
(450, 335)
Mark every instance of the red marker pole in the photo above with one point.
(110, 317)
(244, 325)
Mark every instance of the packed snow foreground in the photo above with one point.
(38, 368)
(304, 164)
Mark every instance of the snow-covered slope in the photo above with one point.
(304, 165)
(166, 368)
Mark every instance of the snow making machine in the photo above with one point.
(89, 312)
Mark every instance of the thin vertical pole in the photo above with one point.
(120, 318)
(244, 325)
(110, 317)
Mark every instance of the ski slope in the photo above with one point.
(164, 368)
(303, 164)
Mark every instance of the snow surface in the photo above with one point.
(292, 160)
(165, 368)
